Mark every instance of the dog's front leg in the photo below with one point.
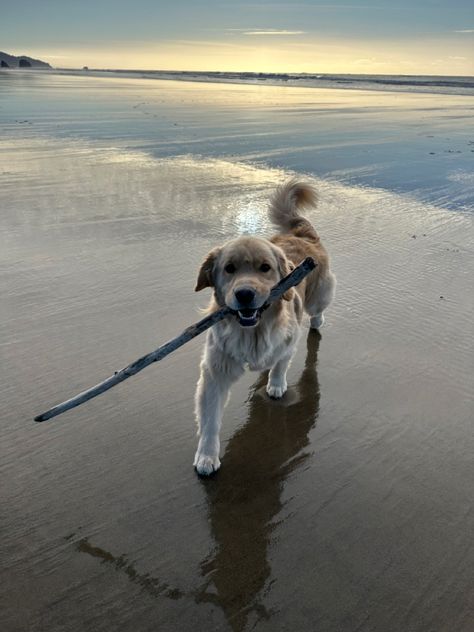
(211, 396)
(277, 385)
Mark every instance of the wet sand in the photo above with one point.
(347, 506)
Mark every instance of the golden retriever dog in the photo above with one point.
(242, 272)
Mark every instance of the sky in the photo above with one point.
(434, 37)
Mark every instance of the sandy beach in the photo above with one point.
(346, 506)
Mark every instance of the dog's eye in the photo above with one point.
(265, 267)
(230, 268)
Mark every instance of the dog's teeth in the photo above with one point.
(248, 319)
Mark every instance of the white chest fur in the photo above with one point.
(257, 348)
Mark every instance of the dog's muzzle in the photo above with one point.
(247, 314)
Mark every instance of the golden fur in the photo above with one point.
(242, 273)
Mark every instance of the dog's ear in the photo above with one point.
(285, 267)
(205, 276)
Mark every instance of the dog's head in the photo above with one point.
(242, 273)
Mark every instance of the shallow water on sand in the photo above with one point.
(346, 506)
(417, 143)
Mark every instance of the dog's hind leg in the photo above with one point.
(320, 299)
(211, 396)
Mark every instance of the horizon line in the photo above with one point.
(247, 72)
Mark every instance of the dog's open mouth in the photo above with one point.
(248, 317)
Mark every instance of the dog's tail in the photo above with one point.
(285, 206)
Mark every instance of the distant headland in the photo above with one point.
(11, 61)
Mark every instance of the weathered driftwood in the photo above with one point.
(295, 277)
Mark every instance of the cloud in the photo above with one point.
(465, 31)
(272, 32)
(282, 6)
(259, 31)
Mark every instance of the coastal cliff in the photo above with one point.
(22, 61)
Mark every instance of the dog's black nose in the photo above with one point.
(245, 296)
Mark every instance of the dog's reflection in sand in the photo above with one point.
(244, 496)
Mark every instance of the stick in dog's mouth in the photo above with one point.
(295, 277)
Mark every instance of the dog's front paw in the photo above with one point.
(317, 321)
(276, 391)
(206, 465)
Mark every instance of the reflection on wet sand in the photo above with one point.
(152, 585)
(245, 497)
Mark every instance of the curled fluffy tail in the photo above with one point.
(286, 204)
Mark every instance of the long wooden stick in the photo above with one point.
(295, 277)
